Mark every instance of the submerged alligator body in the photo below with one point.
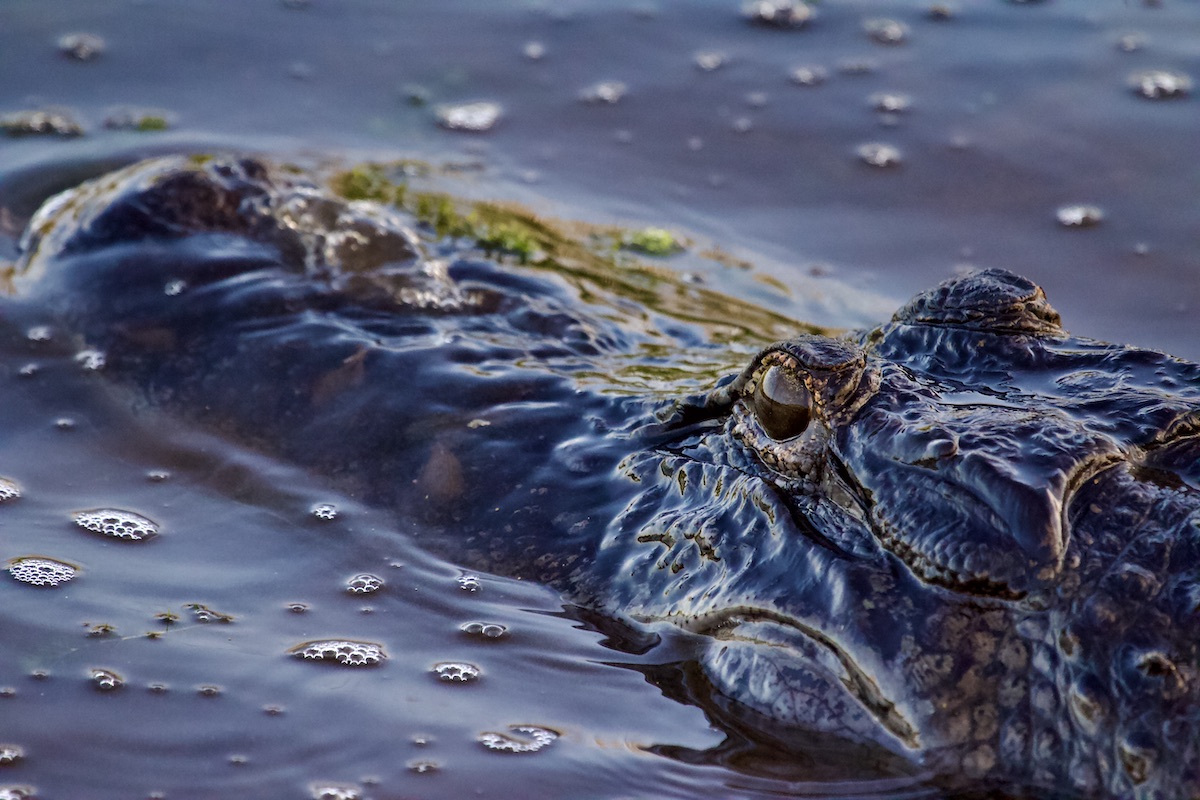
(964, 541)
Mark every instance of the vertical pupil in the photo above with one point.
(782, 404)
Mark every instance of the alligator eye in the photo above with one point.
(782, 404)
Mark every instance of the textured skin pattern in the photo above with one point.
(963, 541)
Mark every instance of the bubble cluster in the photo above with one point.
(605, 92)
(487, 630)
(364, 583)
(886, 31)
(342, 651)
(472, 117)
(325, 511)
(1160, 84)
(117, 524)
(539, 739)
(9, 490)
(1079, 216)
(105, 680)
(81, 46)
(469, 583)
(40, 571)
(456, 672)
(204, 614)
(334, 791)
(90, 360)
(11, 754)
(879, 155)
(778, 13)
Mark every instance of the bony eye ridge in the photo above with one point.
(782, 404)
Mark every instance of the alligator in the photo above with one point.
(963, 541)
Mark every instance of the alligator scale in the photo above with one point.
(963, 541)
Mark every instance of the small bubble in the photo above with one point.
(174, 288)
(469, 583)
(742, 125)
(778, 13)
(157, 688)
(809, 75)
(886, 31)
(422, 740)
(90, 360)
(757, 99)
(342, 651)
(325, 511)
(297, 608)
(39, 571)
(117, 524)
(8, 691)
(709, 60)
(10, 754)
(9, 490)
(64, 424)
(29, 370)
(105, 680)
(40, 675)
(81, 46)
(364, 583)
(273, 710)
(1079, 216)
(334, 791)
(238, 760)
(424, 767)
(879, 155)
(486, 630)
(1131, 42)
(941, 12)
(208, 690)
(39, 333)
(158, 475)
(456, 672)
(1160, 84)
(857, 67)
(605, 92)
(534, 51)
(22, 792)
(472, 117)
(890, 102)
(538, 738)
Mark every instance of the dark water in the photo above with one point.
(1017, 109)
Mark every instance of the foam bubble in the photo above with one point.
(325, 511)
(1160, 84)
(105, 680)
(473, 117)
(487, 630)
(538, 739)
(9, 490)
(90, 360)
(334, 791)
(364, 583)
(469, 583)
(1079, 216)
(40, 571)
(11, 754)
(17, 792)
(117, 524)
(879, 155)
(456, 672)
(342, 651)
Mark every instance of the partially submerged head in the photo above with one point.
(963, 537)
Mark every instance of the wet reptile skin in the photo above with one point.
(964, 541)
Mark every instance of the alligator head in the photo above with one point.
(963, 537)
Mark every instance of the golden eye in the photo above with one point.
(782, 404)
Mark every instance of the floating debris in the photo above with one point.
(1160, 84)
(203, 614)
(117, 524)
(41, 571)
(141, 120)
(886, 31)
(40, 123)
(653, 242)
(879, 155)
(342, 651)
(486, 630)
(456, 672)
(472, 117)
(539, 739)
(778, 13)
(1079, 216)
(81, 46)
(364, 583)
(604, 92)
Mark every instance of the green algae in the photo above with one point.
(657, 242)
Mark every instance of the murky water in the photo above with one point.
(1015, 110)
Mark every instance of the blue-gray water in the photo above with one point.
(1017, 109)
